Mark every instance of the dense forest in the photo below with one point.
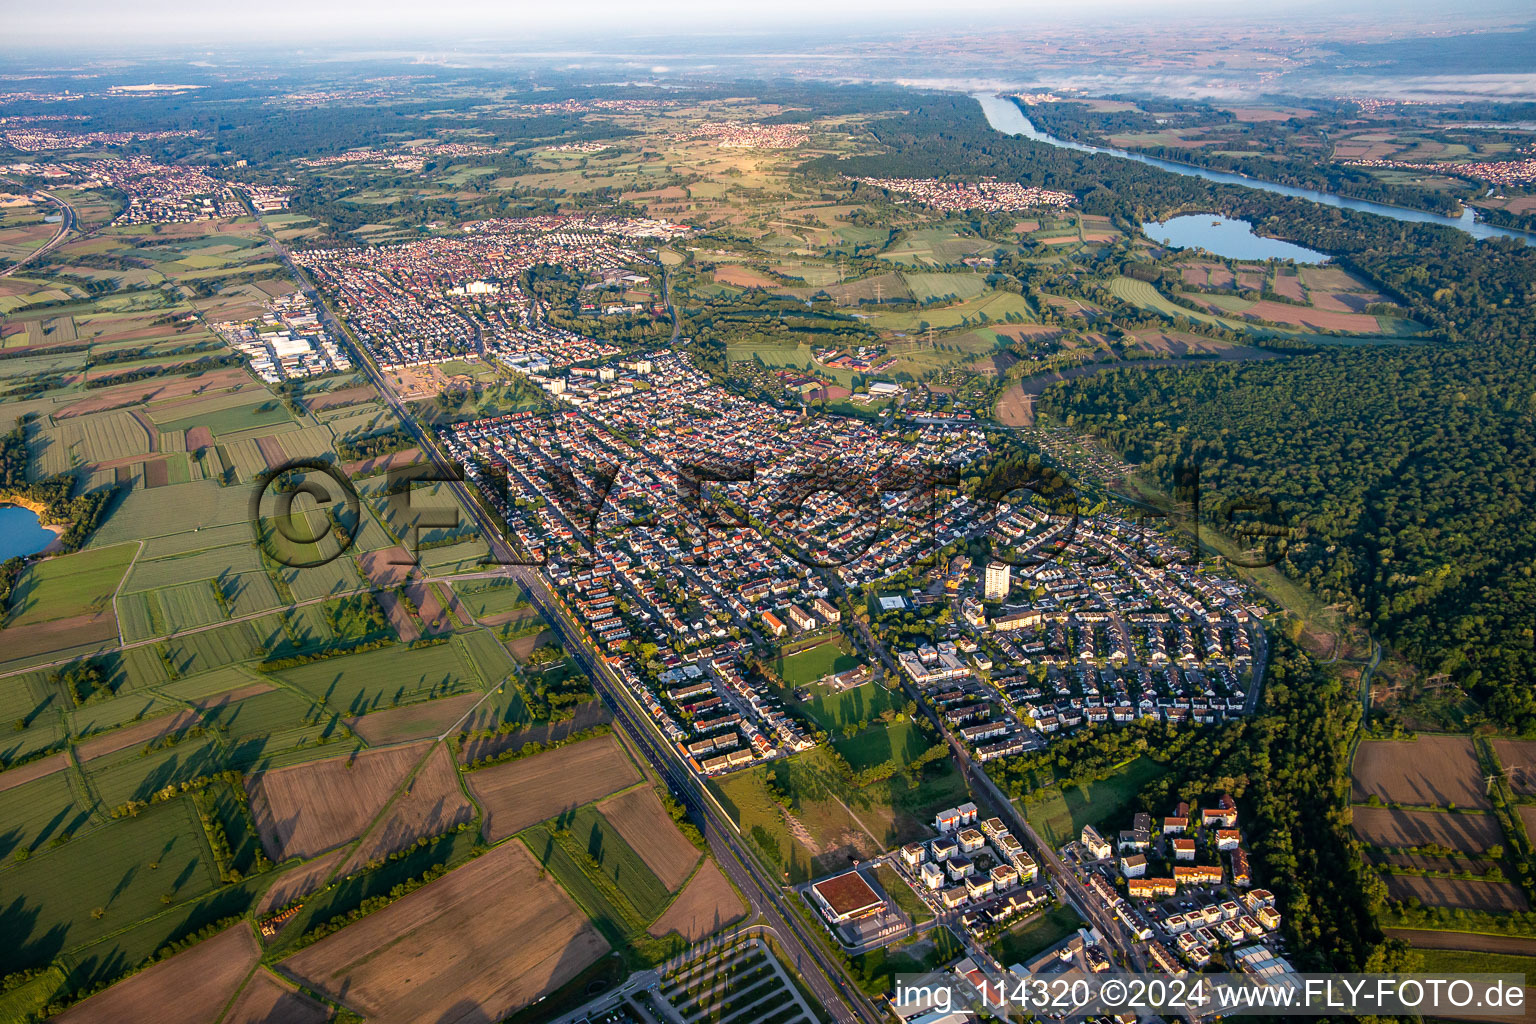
(1408, 471)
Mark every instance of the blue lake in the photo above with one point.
(1224, 236)
(21, 533)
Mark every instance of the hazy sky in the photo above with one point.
(96, 23)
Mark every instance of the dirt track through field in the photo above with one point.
(434, 804)
(308, 808)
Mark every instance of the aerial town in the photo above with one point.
(992, 196)
(606, 528)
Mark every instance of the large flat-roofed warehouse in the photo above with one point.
(847, 897)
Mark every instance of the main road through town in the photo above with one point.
(822, 974)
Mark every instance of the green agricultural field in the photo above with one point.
(211, 648)
(265, 413)
(140, 617)
(1060, 816)
(357, 683)
(492, 597)
(258, 728)
(812, 664)
(986, 307)
(489, 656)
(1463, 961)
(116, 712)
(182, 509)
(133, 774)
(929, 287)
(187, 605)
(38, 813)
(76, 584)
(103, 880)
(27, 1001)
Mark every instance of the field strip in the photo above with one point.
(177, 634)
(119, 590)
(235, 996)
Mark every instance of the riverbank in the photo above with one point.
(1007, 117)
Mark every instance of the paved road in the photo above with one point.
(65, 227)
(767, 898)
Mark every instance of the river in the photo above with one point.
(1006, 117)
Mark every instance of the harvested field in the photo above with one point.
(308, 808)
(387, 567)
(1431, 771)
(271, 451)
(193, 986)
(135, 734)
(1470, 833)
(1456, 892)
(1289, 285)
(58, 634)
(413, 722)
(266, 1000)
(706, 904)
(645, 825)
(199, 437)
(532, 789)
(1426, 862)
(1513, 945)
(1317, 319)
(461, 941)
(1016, 408)
(744, 277)
(399, 617)
(296, 883)
(1527, 817)
(33, 770)
(434, 804)
(155, 389)
(382, 464)
(587, 715)
(219, 700)
(433, 615)
(1521, 756)
(339, 398)
(523, 646)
